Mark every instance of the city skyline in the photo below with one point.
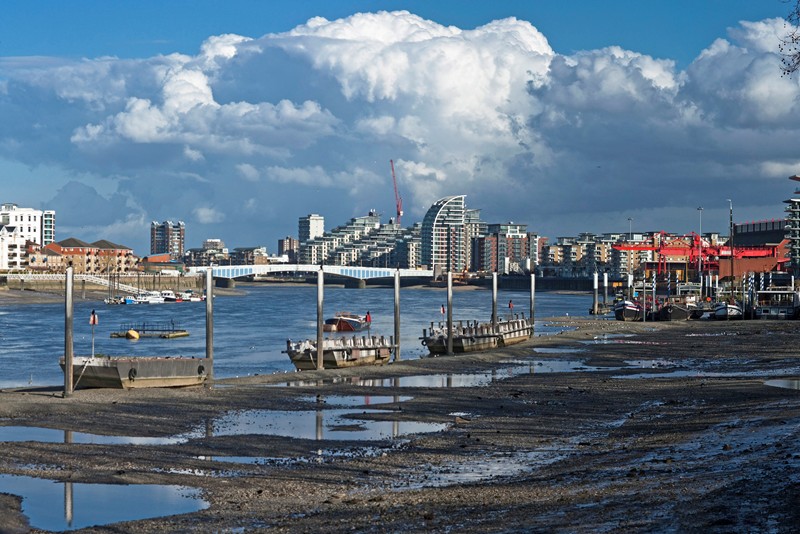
(239, 124)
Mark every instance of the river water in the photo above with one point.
(250, 330)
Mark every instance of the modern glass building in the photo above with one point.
(444, 235)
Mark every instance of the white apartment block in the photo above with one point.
(12, 248)
(33, 225)
(310, 227)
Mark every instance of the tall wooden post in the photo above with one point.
(449, 312)
(494, 302)
(68, 323)
(397, 315)
(594, 301)
(533, 300)
(210, 321)
(320, 290)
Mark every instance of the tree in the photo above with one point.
(790, 43)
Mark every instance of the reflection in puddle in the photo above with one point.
(51, 435)
(83, 505)
(336, 424)
(457, 380)
(557, 350)
(318, 424)
(787, 383)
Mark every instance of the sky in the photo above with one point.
(240, 117)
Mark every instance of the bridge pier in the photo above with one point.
(355, 283)
(228, 283)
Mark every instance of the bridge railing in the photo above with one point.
(355, 272)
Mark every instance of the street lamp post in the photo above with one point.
(730, 240)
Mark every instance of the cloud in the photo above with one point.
(207, 215)
(252, 132)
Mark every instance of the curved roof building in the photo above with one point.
(444, 235)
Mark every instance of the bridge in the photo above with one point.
(356, 273)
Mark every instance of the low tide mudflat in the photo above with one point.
(646, 427)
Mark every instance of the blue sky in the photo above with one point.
(579, 115)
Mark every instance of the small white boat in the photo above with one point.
(728, 310)
(191, 296)
(150, 297)
(169, 296)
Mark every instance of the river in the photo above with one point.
(250, 329)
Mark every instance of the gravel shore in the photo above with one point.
(662, 427)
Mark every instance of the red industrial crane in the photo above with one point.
(692, 248)
(397, 198)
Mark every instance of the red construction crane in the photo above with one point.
(397, 198)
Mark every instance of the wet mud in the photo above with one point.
(663, 427)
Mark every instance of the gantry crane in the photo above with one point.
(693, 249)
(397, 198)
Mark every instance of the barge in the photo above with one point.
(340, 352)
(125, 372)
(475, 337)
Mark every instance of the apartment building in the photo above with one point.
(168, 238)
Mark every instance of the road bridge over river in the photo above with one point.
(355, 273)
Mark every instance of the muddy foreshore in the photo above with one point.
(700, 444)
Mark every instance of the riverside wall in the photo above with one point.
(144, 281)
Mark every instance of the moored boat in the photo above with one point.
(150, 297)
(347, 322)
(340, 352)
(728, 310)
(627, 310)
(777, 303)
(474, 337)
(169, 296)
(674, 311)
(125, 372)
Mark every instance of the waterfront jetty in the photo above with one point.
(165, 330)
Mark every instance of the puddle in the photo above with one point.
(699, 373)
(456, 380)
(477, 469)
(335, 424)
(557, 350)
(325, 423)
(786, 383)
(52, 435)
(58, 506)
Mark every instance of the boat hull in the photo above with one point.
(339, 353)
(728, 311)
(138, 372)
(776, 313)
(627, 311)
(676, 312)
(478, 337)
